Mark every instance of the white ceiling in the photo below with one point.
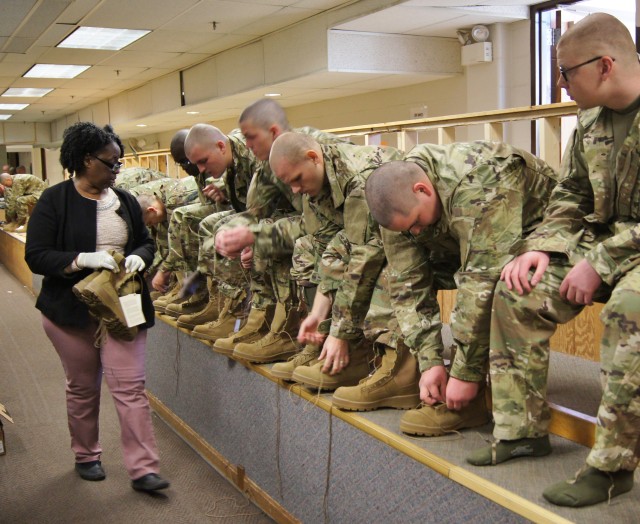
(183, 34)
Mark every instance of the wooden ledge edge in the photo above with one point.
(234, 473)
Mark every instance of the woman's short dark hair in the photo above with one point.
(82, 139)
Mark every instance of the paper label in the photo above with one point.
(132, 309)
(236, 327)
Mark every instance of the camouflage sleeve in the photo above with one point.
(487, 221)
(618, 254)
(413, 297)
(266, 192)
(276, 238)
(353, 296)
(9, 204)
(570, 202)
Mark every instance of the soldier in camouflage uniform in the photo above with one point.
(268, 231)
(158, 200)
(183, 235)
(21, 194)
(215, 155)
(450, 216)
(586, 249)
(130, 177)
(331, 177)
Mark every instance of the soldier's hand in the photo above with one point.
(231, 242)
(308, 332)
(160, 281)
(516, 273)
(433, 384)
(580, 284)
(246, 258)
(460, 393)
(335, 354)
(214, 193)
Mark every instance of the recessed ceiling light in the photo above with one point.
(141, 125)
(55, 71)
(11, 107)
(27, 91)
(102, 38)
(193, 112)
(272, 94)
(5, 117)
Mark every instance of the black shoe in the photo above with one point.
(90, 470)
(149, 482)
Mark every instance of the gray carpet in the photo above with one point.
(37, 480)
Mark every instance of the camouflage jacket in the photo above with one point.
(173, 192)
(237, 177)
(598, 194)
(342, 206)
(269, 196)
(130, 177)
(23, 185)
(491, 195)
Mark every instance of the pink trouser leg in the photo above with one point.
(81, 363)
(124, 372)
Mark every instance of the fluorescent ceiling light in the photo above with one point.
(5, 117)
(11, 107)
(102, 38)
(273, 95)
(193, 112)
(141, 125)
(55, 71)
(27, 91)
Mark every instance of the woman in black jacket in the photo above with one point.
(73, 226)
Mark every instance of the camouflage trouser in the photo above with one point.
(160, 234)
(19, 212)
(520, 332)
(183, 237)
(380, 324)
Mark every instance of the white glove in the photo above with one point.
(97, 260)
(133, 264)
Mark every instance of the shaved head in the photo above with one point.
(389, 190)
(6, 180)
(293, 148)
(265, 113)
(203, 135)
(600, 34)
(177, 145)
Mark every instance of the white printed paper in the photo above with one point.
(132, 309)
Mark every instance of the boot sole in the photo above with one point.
(397, 402)
(185, 311)
(264, 359)
(419, 430)
(282, 375)
(227, 352)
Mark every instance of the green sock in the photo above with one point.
(503, 450)
(590, 486)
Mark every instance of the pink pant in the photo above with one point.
(123, 365)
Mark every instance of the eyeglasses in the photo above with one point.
(113, 167)
(565, 70)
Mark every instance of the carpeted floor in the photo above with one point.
(37, 480)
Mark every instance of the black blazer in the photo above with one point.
(63, 224)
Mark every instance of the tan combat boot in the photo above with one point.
(360, 354)
(208, 313)
(279, 344)
(257, 327)
(193, 304)
(393, 385)
(160, 304)
(433, 421)
(307, 357)
(231, 318)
